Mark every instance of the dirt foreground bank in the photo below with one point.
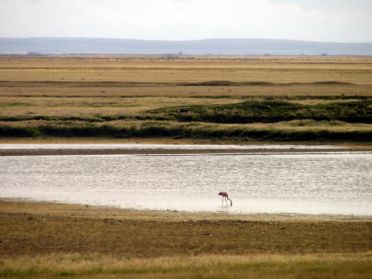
(41, 228)
(46, 240)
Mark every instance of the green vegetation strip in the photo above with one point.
(269, 111)
(270, 266)
(250, 111)
(197, 131)
(258, 119)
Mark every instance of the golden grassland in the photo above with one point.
(61, 96)
(273, 69)
(42, 240)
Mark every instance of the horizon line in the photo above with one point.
(186, 40)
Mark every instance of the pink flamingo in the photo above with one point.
(225, 197)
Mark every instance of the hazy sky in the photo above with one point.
(319, 20)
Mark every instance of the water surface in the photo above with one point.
(321, 183)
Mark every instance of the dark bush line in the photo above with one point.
(259, 83)
(19, 132)
(105, 84)
(89, 119)
(158, 131)
(330, 82)
(311, 97)
(228, 83)
(49, 118)
(270, 111)
(250, 111)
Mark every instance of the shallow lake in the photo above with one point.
(308, 183)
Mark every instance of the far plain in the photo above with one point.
(193, 98)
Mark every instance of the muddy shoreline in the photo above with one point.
(45, 151)
(55, 152)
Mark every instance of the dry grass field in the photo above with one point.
(236, 98)
(41, 240)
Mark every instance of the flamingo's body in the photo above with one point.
(225, 197)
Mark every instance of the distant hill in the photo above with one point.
(34, 46)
